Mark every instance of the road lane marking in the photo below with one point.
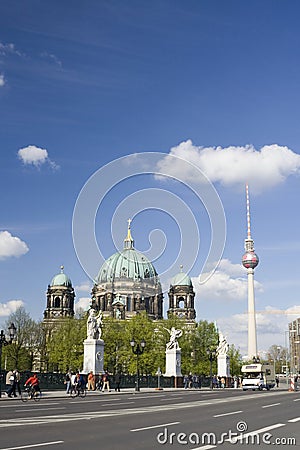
(228, 414)
(69, 417)
(42, 444)
(156, 426)
(111, 404)
(254, 433)
(270, 406)
(205, 447)
(294, 420)
(297, 400)
(147, 396)
(40, 409)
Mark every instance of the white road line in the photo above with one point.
(205, 447)
(254, 433)
(112, 404)
(270, 406)
(40, 409)
(154, 426)
(297, 400)
(294, 420)
(42, 444)
(228, 414)
(147, 396)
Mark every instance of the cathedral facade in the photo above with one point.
(127, 284)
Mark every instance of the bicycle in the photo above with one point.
(30, 394)
(78, 391)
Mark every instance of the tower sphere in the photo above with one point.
(250, 260)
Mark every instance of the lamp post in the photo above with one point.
(137, 349)
(4, 341)
(211, 355)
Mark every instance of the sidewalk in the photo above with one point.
(62, 393)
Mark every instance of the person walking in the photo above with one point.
(17, 386)
(9, 382)
(68, 382)
(117, 382)
(91, 381)
(105, 380)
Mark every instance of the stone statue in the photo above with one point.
(94, 324)
(223, 346)
(118, 314)
(174, 335)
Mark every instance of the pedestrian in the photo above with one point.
(117, 382)
(186, 381)
(10, 382)
(68, 382)
(99, 382)
(222, 381)
(277, 381)
(91, 381)
(17, 386)
(105, 380)
(214, 382)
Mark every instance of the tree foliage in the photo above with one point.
(63, 349)
(22, 353)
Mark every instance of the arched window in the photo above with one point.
(57, 302)
(180, 302)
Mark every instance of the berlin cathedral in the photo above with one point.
(126, 284)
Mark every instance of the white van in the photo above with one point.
(258, 376)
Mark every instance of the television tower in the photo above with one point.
(250, 261)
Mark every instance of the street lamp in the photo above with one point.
(3, 341)
(211, 356)
(137, 349)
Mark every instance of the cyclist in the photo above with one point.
(33, 383)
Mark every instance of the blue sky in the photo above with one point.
(215, 83)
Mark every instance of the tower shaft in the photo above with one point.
(252, 339)
(250, 261)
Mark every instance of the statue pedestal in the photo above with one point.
(173, 363)
(93, 356)
(223, 366)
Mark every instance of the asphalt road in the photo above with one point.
(157, 419)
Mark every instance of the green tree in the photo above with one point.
(25, 350)
(277, 355)
(65, 348)
(235, 360)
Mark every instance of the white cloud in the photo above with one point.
(229, 282)
(11, 245)
(35, 156)
(264, 168)
(84, 287)
(10, 307)
(82, 304)
(271, 323)
(2, 80)
(9, 49)
(51, 57)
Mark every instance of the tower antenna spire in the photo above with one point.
(248, 212)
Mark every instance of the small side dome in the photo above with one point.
(61, 279)
(181, 279)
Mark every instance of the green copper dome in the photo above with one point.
(129, 263)
(61, 279)
(181, 279)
